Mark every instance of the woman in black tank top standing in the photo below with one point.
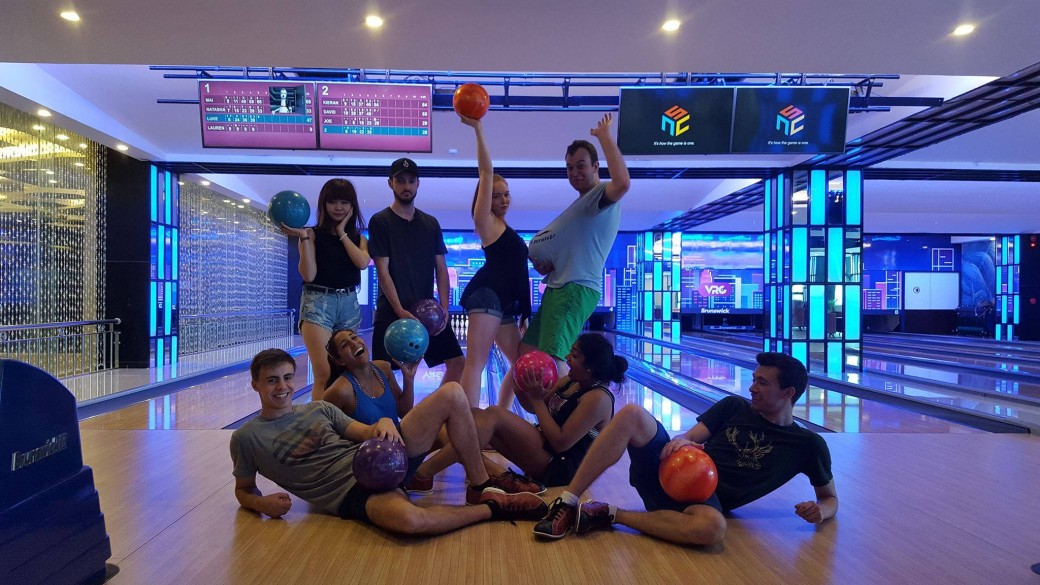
(332, 255)
(570, 416)
(499, 293)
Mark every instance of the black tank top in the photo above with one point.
(562, 407)
(505, 272)
(335, 269)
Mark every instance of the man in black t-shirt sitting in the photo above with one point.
(756, 447)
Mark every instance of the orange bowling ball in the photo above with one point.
(471, 100)
(689, 475)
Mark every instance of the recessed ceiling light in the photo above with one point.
(82, 144)
(122, 147)
(245, 200)
(38, 127)
(79, 164)
(373, 21)
(43, 113)
(671, 25)
(62, 137)
(49, 172)
(241, 207)
(70, 15)
(964, 29)
(204, 183)
(51, 181)
(180, 182)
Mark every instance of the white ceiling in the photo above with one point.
(91, 75)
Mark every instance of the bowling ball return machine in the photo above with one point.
(51, 526)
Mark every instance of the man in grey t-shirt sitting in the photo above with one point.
(309, 451)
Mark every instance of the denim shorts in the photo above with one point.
(330, 310)
(485, 300)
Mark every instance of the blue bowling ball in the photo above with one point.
(406, 340)
(290, 208)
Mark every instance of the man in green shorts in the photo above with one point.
(571, 251)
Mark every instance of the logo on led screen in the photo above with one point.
(790, 120)
(674, 121)
(715, 289)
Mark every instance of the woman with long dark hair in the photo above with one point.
(332, 256)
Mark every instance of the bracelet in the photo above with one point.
(343, 236)
(305, 238)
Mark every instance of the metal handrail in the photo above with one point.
(57, 325)
(239, 314)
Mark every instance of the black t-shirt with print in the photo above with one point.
(755, 457)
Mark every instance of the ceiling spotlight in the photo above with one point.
(79, 164)
(39, 127)
(122, 147)
(373, 21)
(204, 183)
(70, 15)
(241, 206)
(180, 183)
(82, 144)
(43, 113)
(963, 30)
(245, 200)
(62, 137)
(671, 25)
(51, 181)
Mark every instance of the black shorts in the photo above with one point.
(561, 470)
(353, 506)
(643, 475)
(443, 346)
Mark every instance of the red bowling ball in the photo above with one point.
(536, 362)
(471, 101)
(689, 475)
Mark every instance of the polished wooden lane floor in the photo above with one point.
(915, 508)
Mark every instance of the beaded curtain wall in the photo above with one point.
(52, 246)
(233, 271)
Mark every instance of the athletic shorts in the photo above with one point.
(560, 318)
(443, 346)
(643, 475)
(353, 506)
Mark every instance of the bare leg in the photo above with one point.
(315, 337)
(630, 426)
(453, 369)
(507, 389)
(697, 524)
(480, 336)
(446, 406)
(394, 512)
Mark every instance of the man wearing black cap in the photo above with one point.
(408, 249)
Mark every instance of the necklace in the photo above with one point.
(375, 375)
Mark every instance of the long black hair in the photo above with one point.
(600, 358)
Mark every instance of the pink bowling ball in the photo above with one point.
(536, 362)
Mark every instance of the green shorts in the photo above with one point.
(560, 318)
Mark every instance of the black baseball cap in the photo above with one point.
(404, 165)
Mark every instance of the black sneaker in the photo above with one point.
(558, 521)
(593, 515)
(522, 506)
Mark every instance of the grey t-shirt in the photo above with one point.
(304, 452)
(578, 240)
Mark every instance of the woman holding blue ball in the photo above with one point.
(332, 256)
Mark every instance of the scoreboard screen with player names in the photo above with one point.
(281, 115)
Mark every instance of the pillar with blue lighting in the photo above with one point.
(164, 274)
(813, 267)
(659, 259)
(1009, 260)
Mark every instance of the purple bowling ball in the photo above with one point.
(430, 313)
(379, 465)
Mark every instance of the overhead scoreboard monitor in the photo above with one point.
(375, 116)
(257, 114)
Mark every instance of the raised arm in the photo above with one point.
(358, 253)
(619, 179)
(403, 397)
(483, 219)
(249, 497)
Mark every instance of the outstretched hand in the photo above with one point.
(471, 122)
(602, 130)
(301, 233)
